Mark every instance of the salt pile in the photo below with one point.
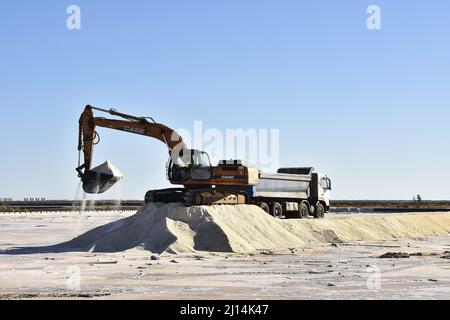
(172, 228)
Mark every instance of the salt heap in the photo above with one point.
(172, 228)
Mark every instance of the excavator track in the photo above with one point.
(210, 197)
(171, 195)
(197, 197)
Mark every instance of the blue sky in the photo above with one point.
(368, 108)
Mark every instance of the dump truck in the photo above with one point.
(297, 192)
(293, 192)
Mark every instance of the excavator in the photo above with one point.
(201, 183)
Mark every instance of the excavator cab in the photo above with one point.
(189, 164)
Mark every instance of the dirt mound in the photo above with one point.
(173, 228)
(395, 255)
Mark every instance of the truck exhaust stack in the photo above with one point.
(101, 178)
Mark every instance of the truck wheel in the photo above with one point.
(276, 210)
(303, 211)
(264, 206)
(319, 212)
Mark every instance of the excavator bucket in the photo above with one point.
(101, 178)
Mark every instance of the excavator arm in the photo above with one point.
(98, 182)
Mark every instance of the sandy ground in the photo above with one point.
(350, 269)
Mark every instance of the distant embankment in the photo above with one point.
(68, 205)
(390, 206)
(108, 205)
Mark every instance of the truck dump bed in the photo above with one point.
(288, 183)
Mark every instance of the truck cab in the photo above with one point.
(321, 190)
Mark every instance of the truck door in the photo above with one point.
(324, 189)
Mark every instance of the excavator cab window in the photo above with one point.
(191, 164)
(201, 166)
(200, 159)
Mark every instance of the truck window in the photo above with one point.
(324, 183)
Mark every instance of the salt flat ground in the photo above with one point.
(348, 270)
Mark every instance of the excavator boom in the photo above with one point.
(100, 179)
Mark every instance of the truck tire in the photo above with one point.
(303, 211)
(264, 206)
(276, 210)
(319, 213)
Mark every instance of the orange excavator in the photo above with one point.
(230, 182)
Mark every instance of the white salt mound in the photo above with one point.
(172, 228)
